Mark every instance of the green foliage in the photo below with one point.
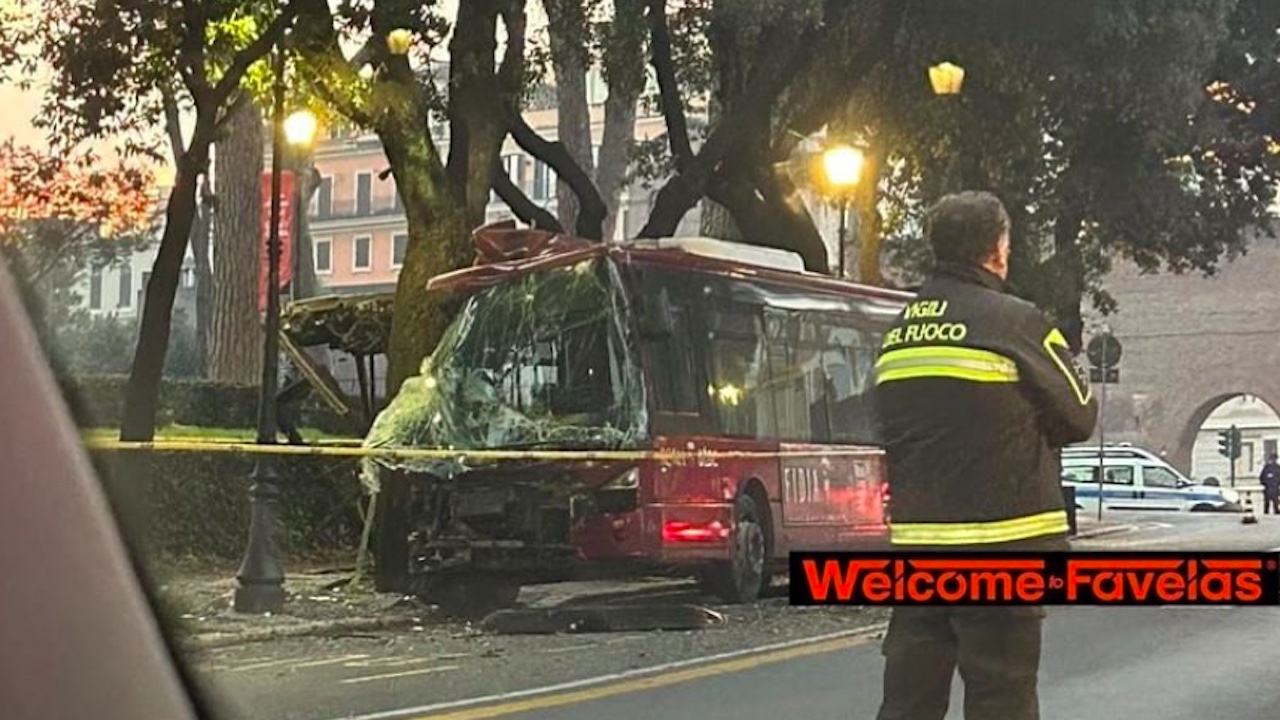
(97, 401)
(1092, 122)
(200, 504)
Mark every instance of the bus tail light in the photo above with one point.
(674, 532)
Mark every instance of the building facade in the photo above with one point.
(358, 229)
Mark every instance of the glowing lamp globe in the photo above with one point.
(946, 78)
(399, 41)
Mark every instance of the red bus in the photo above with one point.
(676, 344)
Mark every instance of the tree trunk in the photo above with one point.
(715, 219)
(438, 242)
(236, 340)
(615, 154)
(304, 270)
(128, 483)
(204, 276)
(567, 26)
(624, 64)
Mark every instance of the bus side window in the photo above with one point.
(795, 378)
(849, 357)
(674, 372)
(738, 373)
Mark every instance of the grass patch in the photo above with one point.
(199, 432)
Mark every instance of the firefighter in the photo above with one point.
(976, 392)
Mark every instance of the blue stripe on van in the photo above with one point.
(1089, 492)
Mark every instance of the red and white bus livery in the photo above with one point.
(758, 372)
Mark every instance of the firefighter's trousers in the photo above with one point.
(996, 649)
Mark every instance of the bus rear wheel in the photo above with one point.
(742, 579)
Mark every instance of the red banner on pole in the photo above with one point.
(286, 234)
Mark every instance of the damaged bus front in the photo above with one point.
(538, 360)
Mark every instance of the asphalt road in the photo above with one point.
(1117, 662)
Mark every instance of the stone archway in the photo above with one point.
(1255, 415)
(1191, 430)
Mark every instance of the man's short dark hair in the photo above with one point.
(966, 227)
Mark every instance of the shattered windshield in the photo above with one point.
(542, 360)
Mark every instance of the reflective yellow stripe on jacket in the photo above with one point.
(945, 361)
(980, 533)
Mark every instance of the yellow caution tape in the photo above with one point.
(398, 453)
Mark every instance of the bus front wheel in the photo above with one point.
(741, 579)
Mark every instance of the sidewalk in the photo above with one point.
(1088, 527)
(199, 606)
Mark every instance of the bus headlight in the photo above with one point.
(628, 480)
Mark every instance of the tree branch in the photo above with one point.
(668, 88)
(527, 210)
(511, 71)
(255, 51)
(814, 102)
(192, 47)
(592, 210)
(318, 42)
(767, 84)
(172, 122)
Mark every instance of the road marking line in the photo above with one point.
(646, 683)
(571, 648)
(631, 680)
(389, 662)
(329, 661)
(406, 673)
(263, 665)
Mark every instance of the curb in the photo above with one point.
(212, 640)
(1103, 532)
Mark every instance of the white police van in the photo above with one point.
(1136, 479)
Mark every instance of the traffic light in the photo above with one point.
(1229, 442)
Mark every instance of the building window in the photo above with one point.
(362, 254)
(323, 255)
(597, 88)
(396, 203)
(544, 181)
(323, 202)
(95, 289)
(126, 286)
(364, 193)
(510, 166)
(399, 246)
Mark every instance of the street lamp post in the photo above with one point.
(842, 166)
(947, 79)
(261, 575)
(840, 237)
